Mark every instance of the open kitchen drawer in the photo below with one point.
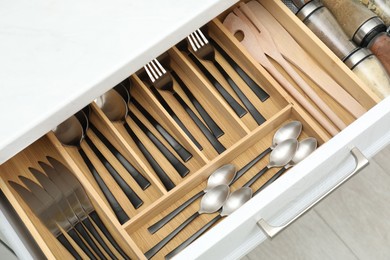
(236, 234)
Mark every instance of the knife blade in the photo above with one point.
(64, 204)
(68, 177)
(39, 210)
(55, 183)
(54, 205)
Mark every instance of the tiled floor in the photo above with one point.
(352, 223)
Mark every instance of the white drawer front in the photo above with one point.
(301, 186)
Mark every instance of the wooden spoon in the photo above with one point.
(252, 42)
(270, 49)
(295, 55)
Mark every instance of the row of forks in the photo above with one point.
(202, 49)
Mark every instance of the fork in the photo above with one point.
(205, 51)
(162, 80)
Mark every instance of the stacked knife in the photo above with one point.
(62, 205)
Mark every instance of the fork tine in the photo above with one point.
(205, 41)
(193, 41)
(152, 75)
(162, 71)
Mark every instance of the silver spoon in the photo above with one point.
(279, 157)
(71, 133)
(115, 108)
(129, 192)
(305, 148)
(178, 147)
(176, 163)
(290, 130)
(223, 175)
(235, 200)
(212, 201)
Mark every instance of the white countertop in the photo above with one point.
(57, 56)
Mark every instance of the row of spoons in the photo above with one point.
(285, 152)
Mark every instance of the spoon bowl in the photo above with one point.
(305, 148)
(214, 199)
(70, 132)
(290, 130)
(236, 200)
(283, 153)
(113, 106)
(223, 175)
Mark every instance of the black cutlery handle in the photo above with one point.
(251, 108)
(178, 165)
(259, 92)
(214, 128)
(249, 165)
(162, 222)
(271, 180)
(175, 117)
(137, 176)
(256, 177)
(91, 228)
(179, 149)
(131, 195)
(154, 250)
(192, 238)
(114, 204)
(69, 247)
(73, 234)
(80, 229)
(206, 132)
(95, 217)
(238, 109)
(166, 181)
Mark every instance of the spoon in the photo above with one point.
(179, 148)
(71, 133)
(280, 156)
(305, 147)
(83, 116)
(114, 99)
(131, 195)
(289, 130)
(116, 110)
(210, 203)
(223, 175)
(235, 200)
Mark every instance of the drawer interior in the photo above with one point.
(243, 138)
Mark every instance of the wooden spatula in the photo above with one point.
(250, 41)
(295, 55)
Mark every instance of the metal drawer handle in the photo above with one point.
(361, 162)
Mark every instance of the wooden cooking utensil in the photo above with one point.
(295, 55)
(270, 49)
(251, 42)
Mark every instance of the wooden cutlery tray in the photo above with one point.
(243, 140)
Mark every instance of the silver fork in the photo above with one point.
(162, 80)
(205, 51)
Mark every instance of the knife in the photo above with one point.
(46, 217)
(66, 177)
(55, 181)
(59, 210)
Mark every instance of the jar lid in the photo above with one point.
(309, 9)
(357, 56)
(368, 30)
